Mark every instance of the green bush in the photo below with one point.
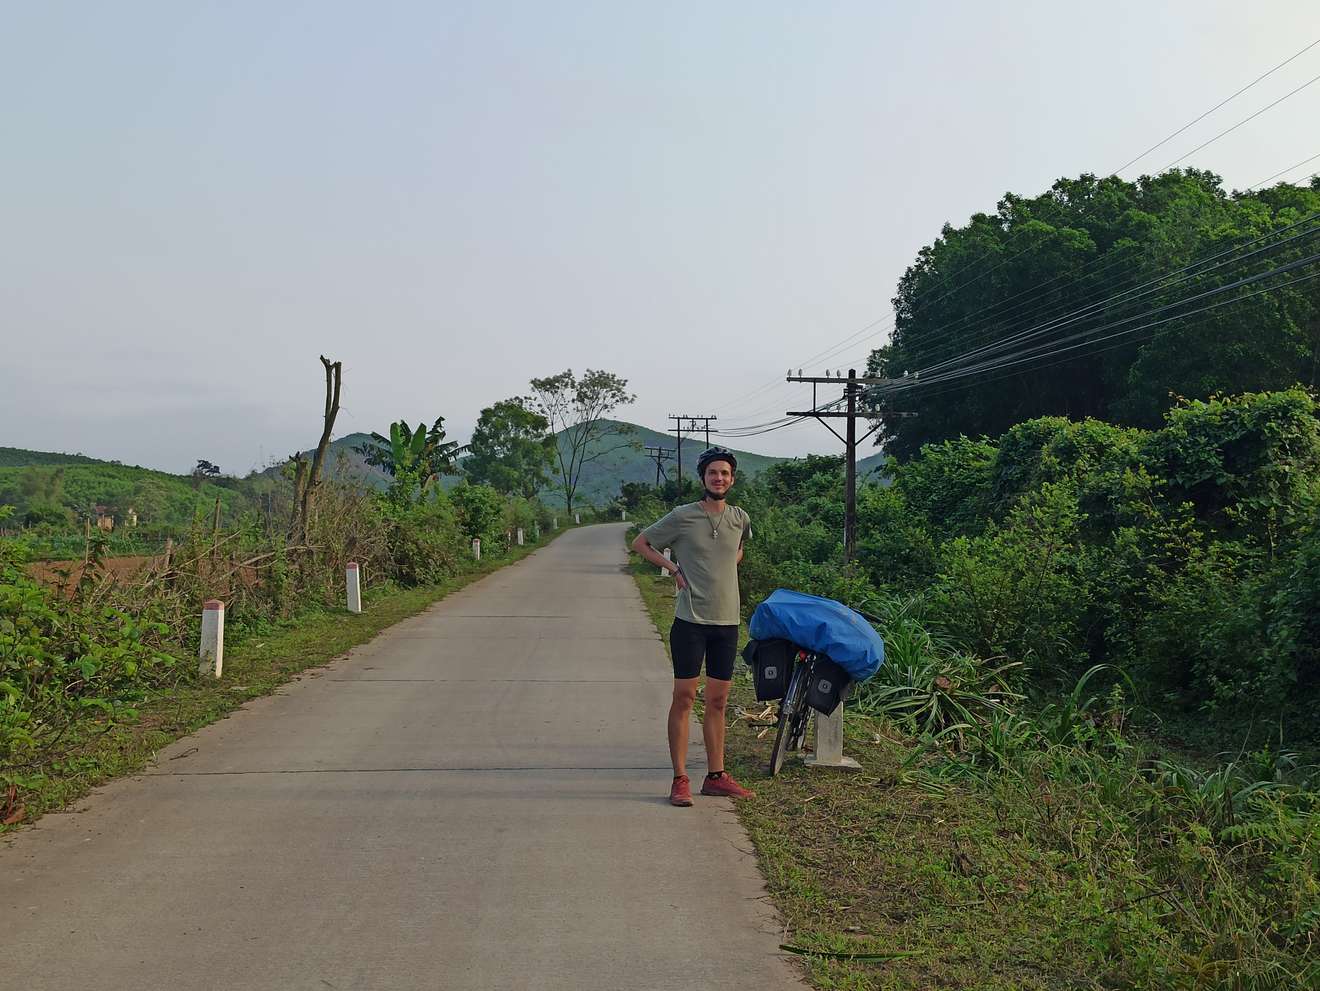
(1018, 590)
(61, 661)
(949, 485)
(1249, 464)
(481, 513)
(426, 545)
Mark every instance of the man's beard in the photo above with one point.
(712, 496)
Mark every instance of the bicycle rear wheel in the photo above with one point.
(792, 722)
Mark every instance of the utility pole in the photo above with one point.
(852, 387)
(692, 428)
(660, 454)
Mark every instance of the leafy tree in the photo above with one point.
(40, 498)
(576, 409)
(511, 449)
(1085, 260)
(203, 471)
(634, 494)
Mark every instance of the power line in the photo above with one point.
(1276, 175)
(1145, 288)
(1105, 262)
(927, 301)
(1152, 286)
(1215, 107)
(1244, 120)
(950, 388)
(1051, 347)
(678, 433)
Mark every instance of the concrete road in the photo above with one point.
(476, 799)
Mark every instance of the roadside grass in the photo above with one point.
(255, 664)
(1012, 882)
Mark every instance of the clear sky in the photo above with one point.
(451, 198)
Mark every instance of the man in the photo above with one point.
(707, 540)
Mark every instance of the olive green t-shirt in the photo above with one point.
(706, 547)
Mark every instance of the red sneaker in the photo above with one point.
(680, 792)
(725, 787)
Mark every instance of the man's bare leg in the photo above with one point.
(712, 724)
(680, 712)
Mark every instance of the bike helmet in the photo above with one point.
(715, 454)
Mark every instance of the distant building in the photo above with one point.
(105, 522)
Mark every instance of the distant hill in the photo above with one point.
(613, 461)
(16, 457)
(163, 503)
(342, 459)
(623, 459)
(873, 467)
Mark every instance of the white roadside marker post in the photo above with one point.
(554, 523)
(624, 514)
(577, 517)
(829, 742)
(536, 531)
(354, 585)
(211, 653)
(669, 556)
(476, 548)
(520, 536)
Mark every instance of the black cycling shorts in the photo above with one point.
(690, 642)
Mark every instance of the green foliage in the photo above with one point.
(61, 661)
(59, 498)
(481, 513)
(511, 449)
(1249, 464)
(16, 457)
(426, 543)
(1018, 589)
(925, 684)
(1071, 248)
(413, 458)
(947, 484)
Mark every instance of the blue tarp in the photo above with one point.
(821, 625)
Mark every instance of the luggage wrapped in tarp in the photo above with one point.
(823, 626)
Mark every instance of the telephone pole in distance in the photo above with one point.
(660, 454)
(692, 428)
(852, 387)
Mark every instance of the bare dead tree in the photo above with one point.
(308, 478)
(299, 462)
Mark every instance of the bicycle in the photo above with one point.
(791, 728)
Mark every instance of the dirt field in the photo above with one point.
(53, 571)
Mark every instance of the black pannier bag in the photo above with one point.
(828, 686)
(770, 661)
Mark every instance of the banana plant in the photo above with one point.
(422, 452)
